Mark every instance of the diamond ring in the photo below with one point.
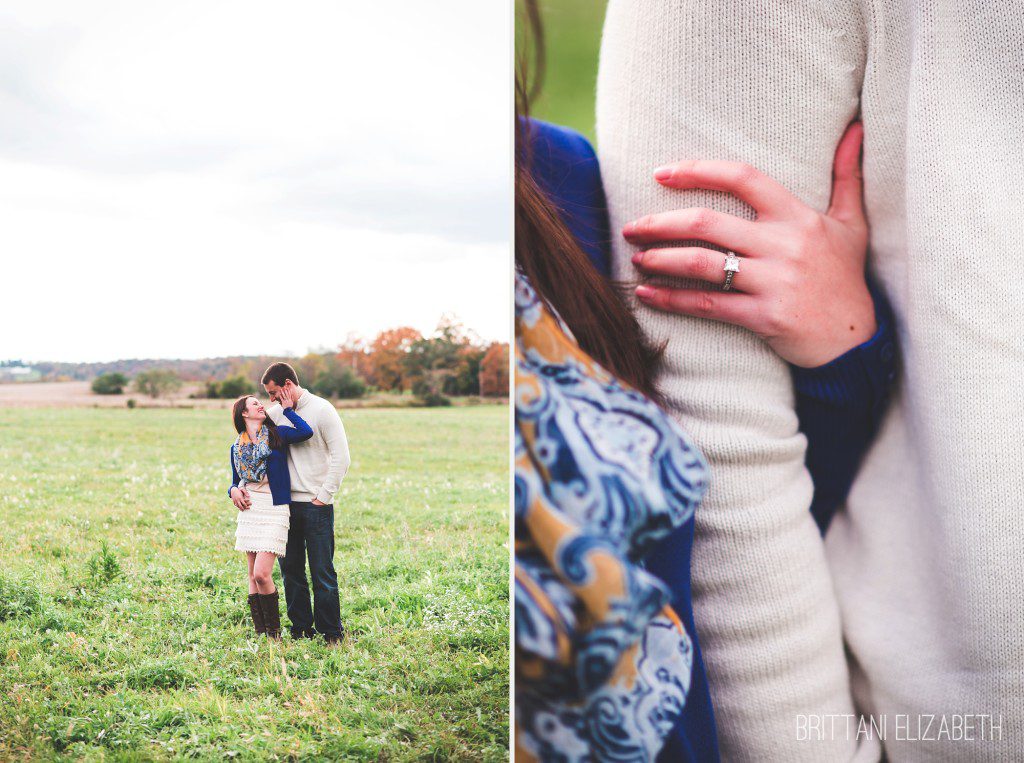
(731, 268)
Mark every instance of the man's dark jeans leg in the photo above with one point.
(314, 537)
(293, 571)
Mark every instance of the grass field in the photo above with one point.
(572, 29)
(124, 632)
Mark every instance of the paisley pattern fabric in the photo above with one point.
(603, 664)
(251, 457)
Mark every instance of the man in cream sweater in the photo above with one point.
(922, 575)
(316, 467)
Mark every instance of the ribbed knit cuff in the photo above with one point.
(861, 376)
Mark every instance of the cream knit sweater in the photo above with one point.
(924, 571)
(318, 465)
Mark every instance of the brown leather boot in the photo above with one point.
(257, 614)
(271, 614)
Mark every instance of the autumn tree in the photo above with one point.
(433, 364)
(354, 353)
(387, 354)
(494, 371)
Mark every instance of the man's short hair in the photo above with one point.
(279, 373)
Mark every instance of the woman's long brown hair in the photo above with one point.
(550, 257)
(236, 416)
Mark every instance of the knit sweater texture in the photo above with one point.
(922, 573)
(318, 465)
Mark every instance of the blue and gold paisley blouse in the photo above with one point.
(250, 458)
(603, 663)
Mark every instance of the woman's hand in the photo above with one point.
(240, 497)
(801, 283)
(284, 396)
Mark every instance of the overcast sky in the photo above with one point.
(193, 179)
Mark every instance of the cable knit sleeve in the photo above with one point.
(773, 84)
(339, 459)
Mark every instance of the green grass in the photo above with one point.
(572, 30)
(124, 631)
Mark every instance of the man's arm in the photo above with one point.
(774, 85)
(333, 432)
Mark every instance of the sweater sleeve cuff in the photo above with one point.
(324, 497)
(860, 376)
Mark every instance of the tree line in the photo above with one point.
(452, 361)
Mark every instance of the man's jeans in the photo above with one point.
(311, 532)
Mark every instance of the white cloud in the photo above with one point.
(196, 178)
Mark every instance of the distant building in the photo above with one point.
(19, 374)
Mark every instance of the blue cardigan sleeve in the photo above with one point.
(565, 167)
(298, 432)
(840, 406)
(235, 479)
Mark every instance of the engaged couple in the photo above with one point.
(733, 523)
(286, 467)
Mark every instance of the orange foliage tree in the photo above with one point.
(387, 351)
(494, 371)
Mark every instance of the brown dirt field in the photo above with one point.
(77, 394)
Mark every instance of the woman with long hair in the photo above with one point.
(261, 490)
(608, 663)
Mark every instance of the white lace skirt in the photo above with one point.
(263, 526)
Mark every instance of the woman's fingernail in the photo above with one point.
(627, 229)
(638, 257)
(663, 173)
(644, 292)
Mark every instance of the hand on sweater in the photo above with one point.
(801, 283)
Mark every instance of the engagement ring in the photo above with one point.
(731, 268)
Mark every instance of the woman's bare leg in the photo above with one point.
(255, 607)
(251, 561)
(262, 572)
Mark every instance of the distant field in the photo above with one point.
(124, 633)
(78, 394)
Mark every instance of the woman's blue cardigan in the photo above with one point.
(277, 463)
